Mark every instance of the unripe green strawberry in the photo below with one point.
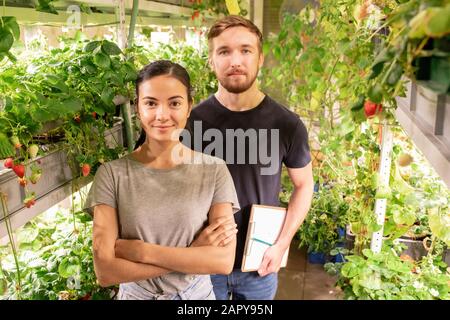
(16, 142)
(33, 150)
(35, 176)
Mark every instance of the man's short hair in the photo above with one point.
(230, 22)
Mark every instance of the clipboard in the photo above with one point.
(264, 227)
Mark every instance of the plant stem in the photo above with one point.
(11, 242)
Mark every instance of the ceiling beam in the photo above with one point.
(144, 5)
(31, 16)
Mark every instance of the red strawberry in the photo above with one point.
(85, 169)
(16, 142)
(77, 118)
(87, 296)
(94, 115)
(9, 163)
(19, 170)
(33, 150)
(371, 108)
(30, 203)
(22, 181)
(195, 14)
(30, 200)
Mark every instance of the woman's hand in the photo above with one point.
(217, 234)
(132, 250)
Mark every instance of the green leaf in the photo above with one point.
(46, 6)
(383, 192)
(110, 48)
(358, 105)
(438, 23)
(107, 96)
(440, 224)
(71, 105)
(349, 270)
(102, 60)
(417, 25)
(370, 280)
(375, 93)
(11, 57)
(91, 46)
(6, 40)
(395, 75)
(10, 23)
(3, 286)
(277, 52)
(367, 253)
(6, 148)
(43, 115)
(56, 82)
(378, 64)
(28, 235)
(130, 72)
(85, 8)
(317, 65)
(282, 35)
(266, 48)
(68, 269)
(99, 109)
(404, 216)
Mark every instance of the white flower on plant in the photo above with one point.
(434, 292)
(418, 285)
(435, 269)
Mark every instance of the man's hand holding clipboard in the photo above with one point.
(261, 252)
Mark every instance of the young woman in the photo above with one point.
(151, 207)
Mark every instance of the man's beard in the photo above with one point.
(239, 87)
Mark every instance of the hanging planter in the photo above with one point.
(55, 173)
(433, 70)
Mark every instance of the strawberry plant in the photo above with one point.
(417, 46)
(55, 260)
(328, 214)
(389, 276)
(201, 8)
(67, 85)
(9, 31)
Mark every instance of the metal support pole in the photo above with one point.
(134, 14)
(126, 108)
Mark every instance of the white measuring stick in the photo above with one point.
(383, 174)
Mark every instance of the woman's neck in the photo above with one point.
(161, 155)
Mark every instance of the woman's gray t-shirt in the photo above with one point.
(167, 207)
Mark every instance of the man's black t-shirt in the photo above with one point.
(254, 143)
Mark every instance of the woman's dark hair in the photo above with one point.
(161, 68)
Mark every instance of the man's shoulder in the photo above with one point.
(281, 115)
(281, 110)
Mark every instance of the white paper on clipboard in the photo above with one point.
(263, 230)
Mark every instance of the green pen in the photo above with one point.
(261, 241)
